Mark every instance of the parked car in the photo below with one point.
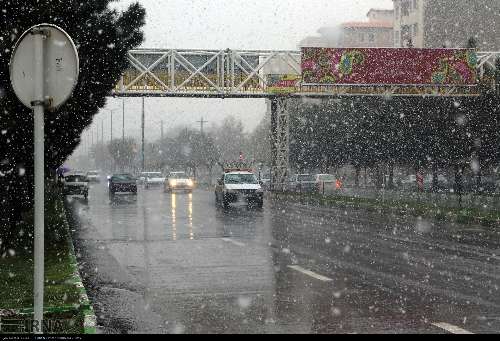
(122, 183)
(302, 183)
(144, 175)
(409, 183)
(153, 179)
(94, 176)
(488, 185)
(178, 181)
(76, 184)
(441, 185)
(325, 183)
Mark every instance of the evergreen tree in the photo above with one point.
(102, 36)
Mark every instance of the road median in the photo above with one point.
(465, 215)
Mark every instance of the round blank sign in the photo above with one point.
(61, 66)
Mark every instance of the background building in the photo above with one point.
(447, 23)
(376, 32)
(328, 37)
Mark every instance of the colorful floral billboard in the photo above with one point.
(389, 66)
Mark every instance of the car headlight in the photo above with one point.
(190, 183)
(173, 183)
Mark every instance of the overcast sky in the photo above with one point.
(221, 24)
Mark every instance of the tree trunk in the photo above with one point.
(459, 183)
(435, 182)
(379, 180)
(391, 176)
(356, 179)
(478, 175)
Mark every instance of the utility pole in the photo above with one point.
(202, 123)
(102, 142)
(111, 130)
(123, 120)
(142, 120)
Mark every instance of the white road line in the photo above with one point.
(451, 328)
(233, 242)
(310, 273)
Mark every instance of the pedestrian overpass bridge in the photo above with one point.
(273, 75)
(251, 74)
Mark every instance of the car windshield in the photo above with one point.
(122, 177)
(76, 178)
(151, 174)
(231, 179)
(179, 175)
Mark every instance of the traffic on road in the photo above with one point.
(179, 262)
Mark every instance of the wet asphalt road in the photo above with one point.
(176, 263)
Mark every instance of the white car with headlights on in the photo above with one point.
(178, 181)
(238, 185)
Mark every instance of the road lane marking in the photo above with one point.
(310, 273)
(451, 328)
(233, 242)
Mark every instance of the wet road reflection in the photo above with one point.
(174, 216)
(283, 269)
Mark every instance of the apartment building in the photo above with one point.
(377, 31)
(447, 23)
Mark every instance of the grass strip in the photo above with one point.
(401, 207)
(62, 297)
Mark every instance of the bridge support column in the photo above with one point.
(280, 143)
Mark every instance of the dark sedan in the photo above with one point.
(122, 183)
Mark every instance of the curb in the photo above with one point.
(89, 318)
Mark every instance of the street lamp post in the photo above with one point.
(111, 123)
(123, 120)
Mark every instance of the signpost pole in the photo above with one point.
(44, 70)
(39, 38)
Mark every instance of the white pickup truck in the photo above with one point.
(239, 185)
